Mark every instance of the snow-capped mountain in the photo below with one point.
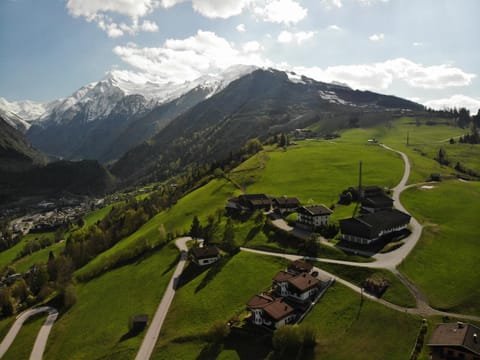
(94, 119)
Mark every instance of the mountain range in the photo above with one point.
(150, 131)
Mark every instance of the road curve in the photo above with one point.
(41, 340)
(153, 331)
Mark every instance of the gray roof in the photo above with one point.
(315, 210)
(456, 334)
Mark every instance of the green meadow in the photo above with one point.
(96, 326)
(447, 257)
(397, 292)
(317, 171)
(215, 294)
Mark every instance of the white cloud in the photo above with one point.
(241, 28)
(149, 26)
(380, 76)
(329, 4)
(416, 44)
(372, 2)
(457, 101)
(251, 46)
(376, 37)
(286, 37)
(334, 28)
(187, 59)
(281, 11)
(219, 8)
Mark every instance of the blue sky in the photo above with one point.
(426, 50)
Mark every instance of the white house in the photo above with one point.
(205, 255)
(271, 312)
(298, 287)
(313, 217)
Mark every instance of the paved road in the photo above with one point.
(41, 341)
(153, 331)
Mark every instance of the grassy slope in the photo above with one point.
(396, 293)
(7, 256)
(374, 332)
(448, 254)
(23, 344)
(92, 329)
(317, 171)
(192, 313)
(202, 202)
(93, 216)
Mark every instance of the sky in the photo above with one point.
(423, 50)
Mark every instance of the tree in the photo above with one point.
(283, 140)
(195, 228)
(229, 236)
(69, 296)
(463, 118)
(6, 302)
(442, 157)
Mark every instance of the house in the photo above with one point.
(250, 202)
(377, 202)
(286, 204)
(313, 217)
(138, 323)
(455, 341)
(368, 228)
(205, 255)
(299, 266)
(271, 312)
(297, 287)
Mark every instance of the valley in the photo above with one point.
(316, 171)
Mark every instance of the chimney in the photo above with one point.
(460, 324)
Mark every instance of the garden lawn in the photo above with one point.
(446, 261)
(177, 220)
(397, 293)
(94, 326)
(198, 304)
(347, 329)
(23, 344)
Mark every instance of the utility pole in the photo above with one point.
(408, 138)
(360, 189)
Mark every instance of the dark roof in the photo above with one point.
(456, 334)
(283, 276)
(205, 252)
(286, 201)
(300, 266)
(314, 210)
(141, 318)
(259, 301)
(378, 201)
(369, 226)
(255, 200)
(304, 282)
(278, 309)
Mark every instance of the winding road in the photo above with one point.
(41, 340)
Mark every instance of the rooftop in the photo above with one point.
(259, 301)
(316, 210)
(300, 266)
(205, 252)
(456, 334)
(304, 282)
(278, 309)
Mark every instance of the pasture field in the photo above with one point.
(97, 325)
(23, 344)
(447, 256)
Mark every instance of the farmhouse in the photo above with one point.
(204, 255)
(299, 266)
(286, 204)
(455, 341)
(298, 287)
(313, 217)
(250, 202)
(271, 312)
(377, 202)
(366, 229)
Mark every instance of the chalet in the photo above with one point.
(299, 266)
(271, 312)
(455, 341)
(250, 202)
(206, 255)
(286, 204)
(298, 287)
(377, 202)
(368, 228)
(313, 217)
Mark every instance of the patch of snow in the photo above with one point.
(295, 78)
(428, 187)
(332, 97)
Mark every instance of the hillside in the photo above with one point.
(16, 154)
(263, 103)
